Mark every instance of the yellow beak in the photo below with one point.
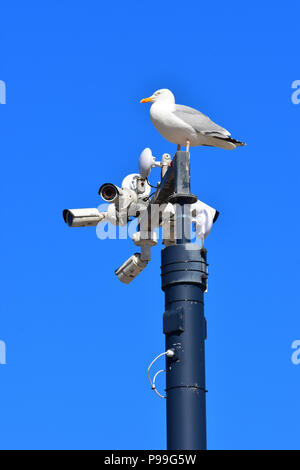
(146, 100)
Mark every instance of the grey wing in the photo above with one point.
(199, 121)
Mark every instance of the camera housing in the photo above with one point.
(131, 268)
(133, 187)
(203, 216)
(83, 217)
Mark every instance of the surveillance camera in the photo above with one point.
(199, 206)
(122, 197)
(131, 268)
(127, 201)
(134, 190)
(83, 217)
(109, 192)
(204, 217)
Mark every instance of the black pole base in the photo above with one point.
(184, 277)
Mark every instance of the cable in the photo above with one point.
(154, 378)
(148, 371)
(148, 197)
(155, 187)
(168, 353)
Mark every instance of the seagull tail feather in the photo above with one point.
(229, 142)
(225, 140)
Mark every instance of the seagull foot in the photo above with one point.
(188, 143)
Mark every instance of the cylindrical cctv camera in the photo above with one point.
(109, 192)
(83, 217)
(131, 268)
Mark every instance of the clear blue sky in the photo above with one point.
(78, 341)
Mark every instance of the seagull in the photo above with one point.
(186, 126)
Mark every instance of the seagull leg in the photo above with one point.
(188, 143)
(178, 148)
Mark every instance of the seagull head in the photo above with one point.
(163, 95)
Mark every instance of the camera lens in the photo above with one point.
(68, 217)
(108, 192)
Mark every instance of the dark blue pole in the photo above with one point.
(184, 277)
